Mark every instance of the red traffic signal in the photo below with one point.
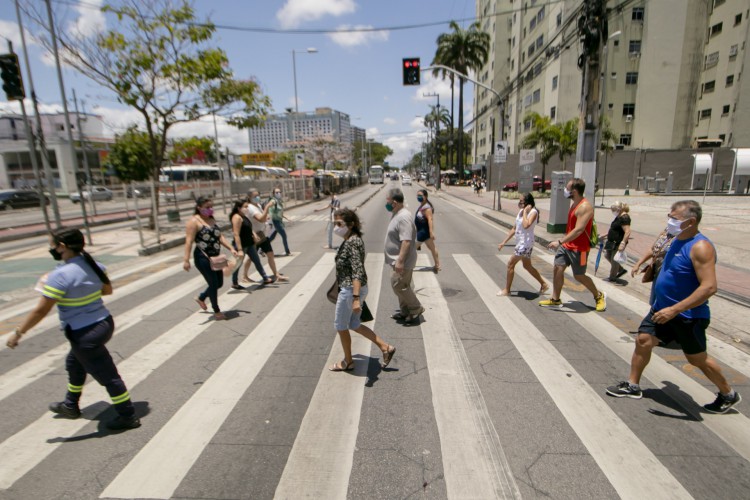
(410, 69)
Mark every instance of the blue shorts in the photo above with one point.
(690, 334)
(346, 319)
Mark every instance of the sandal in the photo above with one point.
(388, 355)
(247, 279)
(436, 269)
(502, 293)
(544, 289)
(219, 316)
(269, 281)
(201, 303)
(282, 278)
(342, 366)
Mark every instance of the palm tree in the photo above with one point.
(463, 51)
(542, 136)
(567, 139)
(433, 120)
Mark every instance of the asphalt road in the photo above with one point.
(489, 397)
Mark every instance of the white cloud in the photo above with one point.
(435, 85)
(404, 146)
(296, 12)
(417, 123)
(90, 20)
(354, 38)
(10, 31)
(372, 131)
(389, 121)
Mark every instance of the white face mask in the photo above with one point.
(567, 193)
(341, 231)
(674, 226)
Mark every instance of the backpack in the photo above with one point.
(594, 236)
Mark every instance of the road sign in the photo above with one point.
(527, 156)
(501, 151)
(299, 161)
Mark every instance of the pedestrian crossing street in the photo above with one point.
(510, 407)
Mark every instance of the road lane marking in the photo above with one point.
(26, 449)
(159, 467)
(474, 463)
(321, 459)
(616, 449)
(733, 427)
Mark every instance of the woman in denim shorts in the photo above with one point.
(352, 280)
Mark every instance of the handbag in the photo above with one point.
(259, 237)
(333, 293)
(365, 315)
(648, 274)
(218, 262)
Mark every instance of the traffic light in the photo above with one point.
(410, 68)
(10, 71)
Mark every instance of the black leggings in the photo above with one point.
(88, 355)
(214, 279)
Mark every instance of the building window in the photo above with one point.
(631, 78)
(540, 15)
(715, 29)
(538, 69)
(531, 49)
(638, 14)
(733, 52)
(718, 2)
(730, 80)
(559, 19)
(532, 24)
(526, 125)
(705, 113)
(709, 87)
(712, 60)
(554, 83)
(625, 139)
(725, 110)
(527, 101)
(628, 109)
(738, 19)
(553, 112)
(634, 47)
(537, 95)
(723, 138)
(539, 42)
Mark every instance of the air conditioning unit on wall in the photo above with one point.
(628, 118)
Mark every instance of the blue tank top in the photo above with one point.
(677, 279)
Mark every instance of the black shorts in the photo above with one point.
(690, 334)
(265, 247)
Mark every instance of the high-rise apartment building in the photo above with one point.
(671, 71)
(288, 130)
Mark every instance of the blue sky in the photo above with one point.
(357, 73)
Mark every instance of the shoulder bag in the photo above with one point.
(218, 262)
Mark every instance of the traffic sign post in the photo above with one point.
(501, 151)
(526, 170)
(299, 161)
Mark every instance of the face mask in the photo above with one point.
(55, 254)
(256, 200)
(389, 206)
(277, 196)
(341, 231)
(206, 212)
(673, 226)
(567, 193)
(420, 199)
(615, 212)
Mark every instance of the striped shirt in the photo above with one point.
(78, 292)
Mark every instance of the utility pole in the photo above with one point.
(84, 149)
(592, 26)
(437, 136)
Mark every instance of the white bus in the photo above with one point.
(376, 174)
(188, 182)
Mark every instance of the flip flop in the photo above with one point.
(388, 355)
(342, 366)
(201, 303)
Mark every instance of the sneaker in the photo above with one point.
(622, 273)
(551, 303)
(121, 423)
(601, 302)
(71, 412)
(723, 403)
(623, 390)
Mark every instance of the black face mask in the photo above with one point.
(55, 254)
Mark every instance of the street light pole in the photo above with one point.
(310, 50)
(602, 102)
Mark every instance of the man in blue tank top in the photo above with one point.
(680, 311)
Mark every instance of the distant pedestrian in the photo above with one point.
(526, 221)
(242, 229)
(258, 217)
(573, 248)
(401, 254)
(277, 218)
(617, 238)
(680, 312)
(352, 279)
(333, 205)
(658, 250)
(202, 230)
(77, 287)
(424, 220)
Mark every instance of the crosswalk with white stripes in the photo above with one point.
(211, 377)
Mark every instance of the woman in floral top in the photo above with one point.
(352, 280)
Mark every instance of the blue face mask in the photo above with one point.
(420, 199)
(389, 206)
(257, 200)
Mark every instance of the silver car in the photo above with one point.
(406, 180)
(98, 193)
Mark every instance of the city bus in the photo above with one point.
(376, 174)
(188, 182)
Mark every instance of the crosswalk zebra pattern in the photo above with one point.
(320, 455)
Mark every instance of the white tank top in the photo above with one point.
(525, 236)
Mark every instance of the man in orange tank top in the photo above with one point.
(573, 248)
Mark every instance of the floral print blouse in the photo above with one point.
(350, 262)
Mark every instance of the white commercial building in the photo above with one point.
(286, 131)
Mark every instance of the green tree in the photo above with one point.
(543, 137)
(463, 51)
(193, 147)
(566, 139)
(379, 152)
(130, 156)
(159, 60)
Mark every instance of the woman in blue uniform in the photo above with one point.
(77, 286)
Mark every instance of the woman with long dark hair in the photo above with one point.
(352, 280)
(76, 286)
(424, 219)
(242, 228)
(202, 230)
(526, 221)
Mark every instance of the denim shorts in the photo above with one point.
(346, 319)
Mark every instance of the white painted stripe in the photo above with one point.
(619, 453)
(474, 463)
(26, 449)
(733, 428)
(135, 287)
(34, 369)
(726, 353)
(159, 467)
(320, 462)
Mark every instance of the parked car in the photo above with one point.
(16, 198)
(406, 180)
(99, 193)
(537, 184)
(139, 191)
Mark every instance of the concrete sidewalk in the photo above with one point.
(726, 221)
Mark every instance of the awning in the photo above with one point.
(741, 162)
(449, 172)
(302, 173)
(702, 163)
